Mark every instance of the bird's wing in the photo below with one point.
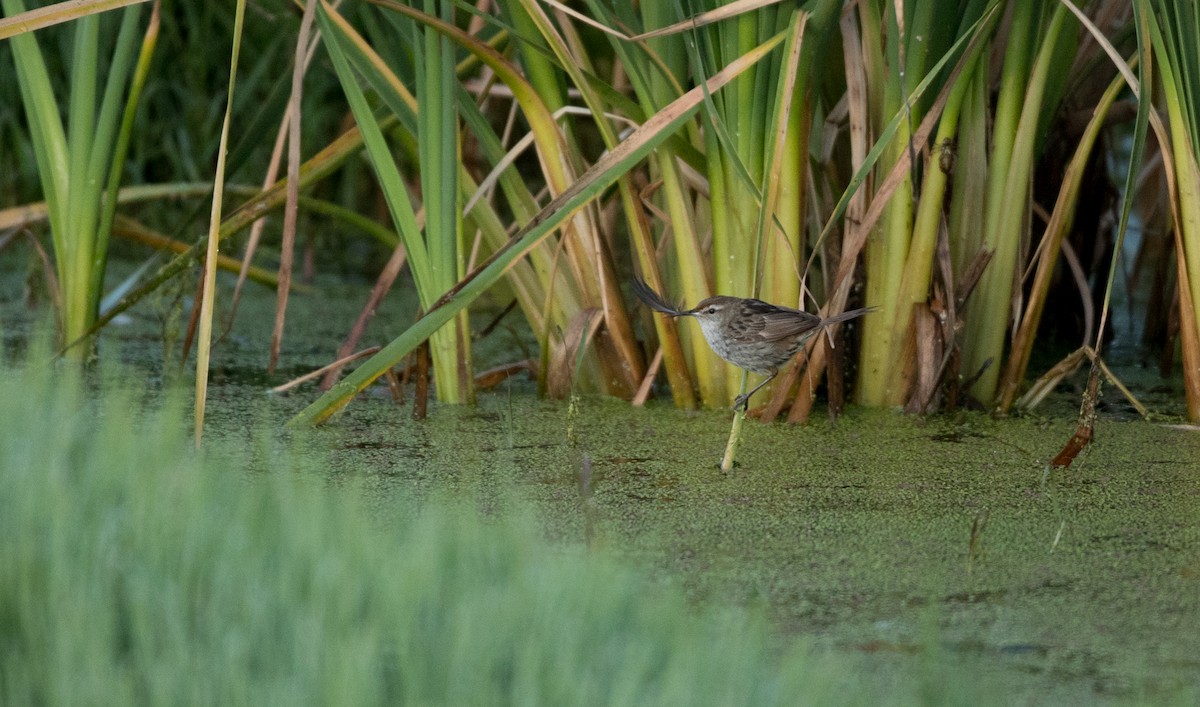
(777, 323)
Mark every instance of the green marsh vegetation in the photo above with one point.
(951, 173)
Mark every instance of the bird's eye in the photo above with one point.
(712, 310)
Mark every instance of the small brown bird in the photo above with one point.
(749, 333)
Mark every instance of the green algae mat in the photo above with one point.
(878, 535)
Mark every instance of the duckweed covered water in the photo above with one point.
(871, 534)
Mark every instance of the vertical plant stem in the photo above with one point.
(81, 214)
(777, 245)
(915, 278)
(438, 144)
(73, 162)
(291, 206)
(117, 161)
(208, 297)
(1056, 230)
(735, 436)
(1021, 104)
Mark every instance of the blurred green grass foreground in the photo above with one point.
(138, 571)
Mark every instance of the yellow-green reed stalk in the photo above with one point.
(437, 257)
(657, 71)
(733, 131)
(1056, 230)
(433, 253)
(741, 113)
(616, 348)
(737, 136)
(787, 174)
(1175, 33)
(782, 212)
(969, 170)
(781, 145)
(915, 277)
(900, 252)
(75, 153)
(1023, 106)
(208, 291)
(438, 144)
(566, 296)
(887, 248)
(528, 279)
(785, 212)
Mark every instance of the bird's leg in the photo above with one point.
(743, 400)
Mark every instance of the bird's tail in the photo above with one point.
(654, 300)
(847, 315)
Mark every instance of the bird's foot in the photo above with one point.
(742, 401)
